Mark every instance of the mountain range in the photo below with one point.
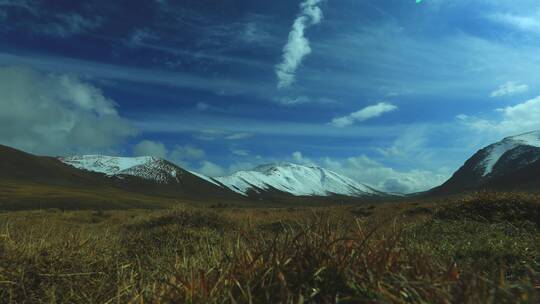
(510, 164)
(119, 182)
(271, 180)
(294, 179)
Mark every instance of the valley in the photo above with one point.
(99, 229)
(280, 152)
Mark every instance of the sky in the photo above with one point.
(392, 93)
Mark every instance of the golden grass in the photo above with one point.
(390, 253)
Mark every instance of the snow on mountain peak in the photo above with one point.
(529, 139)
(146, 167)
(495, 151)
(299, 180)
(280, 166)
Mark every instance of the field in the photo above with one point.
(482, 248)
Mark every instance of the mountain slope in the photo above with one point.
(29, 181)
(296, 180)
(146, 167)
(510, 164)
(151, 175)
(104, 182)
(18, 165)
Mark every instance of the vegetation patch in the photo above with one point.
(418, 211)
(362, 211)
(186, 218)
(494, 208)
(280, 226)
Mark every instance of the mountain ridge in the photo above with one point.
(295, 179)
(145, 167)
(512, 163)
(284, 177)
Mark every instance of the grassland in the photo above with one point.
(15, 195)
(483, 248)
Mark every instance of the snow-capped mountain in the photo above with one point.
(513, 162)
(284, 178)
(153, 176)
(298, 180)
(146, 167)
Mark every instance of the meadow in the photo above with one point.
(479, 248)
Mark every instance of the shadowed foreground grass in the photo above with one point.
(481, 249)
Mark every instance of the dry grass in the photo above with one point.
(24, 196)
(382, 254)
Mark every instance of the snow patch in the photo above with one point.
(497, 150)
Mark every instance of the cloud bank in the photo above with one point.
(57, 114)
(298, 46)
(364, 114)
(366, 170)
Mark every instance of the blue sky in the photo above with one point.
(391, 93)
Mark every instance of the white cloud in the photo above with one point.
(293, 101)
(240, 152)
(528, 23)
(253, 33)
(36, 17)
(510, 88)
(462, 117)
(289, 101)
(18, 4)
(237, 136)
(40, 19)
(298, 46)
(411, 143)
(298, 157)
(251, 29)
(182, 155)
(209, 135)
(150, 148)
(187, 152)
(57, 114)
(65, 25)
(202, 106)
(211, 169)
(514, 120)
(85, 96)
(141, 37)
(364, 114)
